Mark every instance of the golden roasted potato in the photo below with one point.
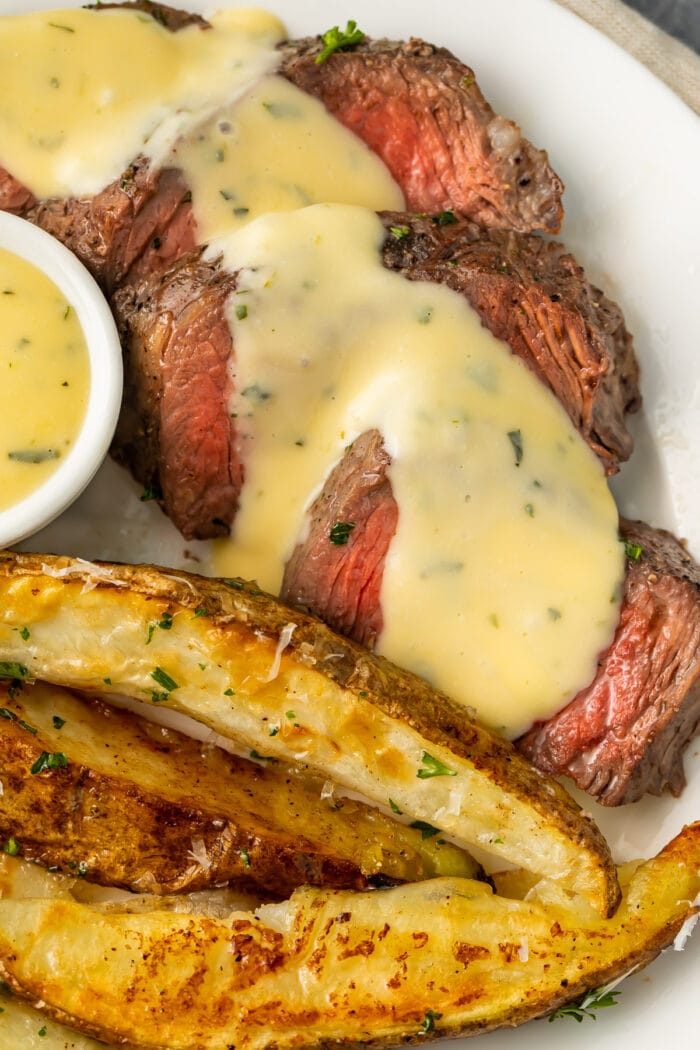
(286, 687)
(125, 802)
(441, 957)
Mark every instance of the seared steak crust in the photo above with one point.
(421, 111)
(534, 295)
(175, 432)
(140, 223)
(624, 735)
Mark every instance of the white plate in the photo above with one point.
(629, 153)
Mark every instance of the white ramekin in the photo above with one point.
(66, 483)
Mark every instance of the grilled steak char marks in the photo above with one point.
(421, 111)
(625, 734)
(532, 294)
(175, 432)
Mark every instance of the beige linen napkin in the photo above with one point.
(673, 62)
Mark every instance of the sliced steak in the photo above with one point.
(414, 104)
(141, 223)
(624, 735)
(574, 339)
(532, 294)
(421, 111)
(341, 582)
(175, 432)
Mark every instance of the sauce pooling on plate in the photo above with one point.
(45, 378)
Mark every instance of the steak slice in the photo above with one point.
(624, 735)
(175, 432)
(140, 223)
(532, 294)
(341, 583)
(420, 109)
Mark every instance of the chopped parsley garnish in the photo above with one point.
(274, 730)
(245, 857)
(49, 760)
(256, 392)
(427, 830)
(598, 999)
(336, 39)
(241, 311)
(200, 611)
(58, 722)
(23, 633)
(340, 532)
(553, 614)
(516, 440)
(633, 551)
(261, 758)
(39, 455)
(165, 623)
(400, 231)
(229, 692)
(66, 29)
(11, 847)
(445, 218)
(8, 669)
(530, 510)
(149, 494)
(433, 767)
(431, 1016)
(290, 715)
(394, 808)
(163, 679)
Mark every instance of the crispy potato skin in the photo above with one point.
(249, 660)
(144, 807)
(337, 967)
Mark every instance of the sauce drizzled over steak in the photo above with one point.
(618, 739)
(624, 735)
(421, 110)
(574, 339)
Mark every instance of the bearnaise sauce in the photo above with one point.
(45, 378)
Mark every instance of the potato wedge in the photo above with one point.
(441, 957)
(246, 665)
(23, 1026)
(142, 806)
